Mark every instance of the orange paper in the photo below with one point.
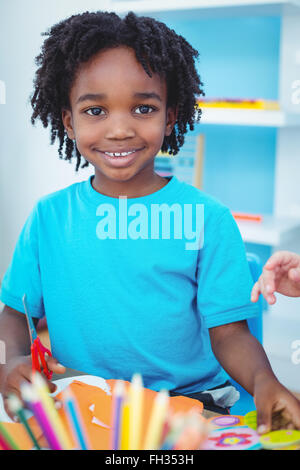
(86, 396)
(20, 436)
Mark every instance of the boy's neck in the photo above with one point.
(130, 189)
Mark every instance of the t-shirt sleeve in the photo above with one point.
(23, 274)
(223, 273)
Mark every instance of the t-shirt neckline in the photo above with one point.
(92, 196)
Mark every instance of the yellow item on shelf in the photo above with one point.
(239, 104)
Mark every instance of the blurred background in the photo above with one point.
(246, 152)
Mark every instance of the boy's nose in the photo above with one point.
(120, 128)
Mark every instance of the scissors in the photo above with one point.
(37, 349)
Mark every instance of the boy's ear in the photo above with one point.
(172, 113)
(67, 120)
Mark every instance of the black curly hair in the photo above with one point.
(76, 39)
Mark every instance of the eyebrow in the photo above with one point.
(102, 96)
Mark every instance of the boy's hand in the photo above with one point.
(280, 274)
(19, 370)
(276, 407)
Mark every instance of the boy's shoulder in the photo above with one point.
(196, 195)
(60, 197)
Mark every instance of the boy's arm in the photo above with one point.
(245, 360)
(14, 333)
(17, 367)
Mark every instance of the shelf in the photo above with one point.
(193, 9)
(249, 117)
(272, 231)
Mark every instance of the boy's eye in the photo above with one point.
(144, 108)
(94, 111)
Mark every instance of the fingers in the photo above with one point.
(294, 411)
(284, 259)
(264, 416)
(21, 373)
(294, 274)
(54, 365)
(265, 286)
(7, 408)
(255, 292)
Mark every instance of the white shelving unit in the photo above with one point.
(248, 117)
(192, 8)
(282, 229)
(272, 231)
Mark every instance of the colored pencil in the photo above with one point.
(31, 397)
(136, 412)
(157, 420)
(192, 435)
(117, 400)
(75, 420)
(124, 434)
(41, 388)
(3, 444)
(7, 437)
(176, 426)
(15, 405)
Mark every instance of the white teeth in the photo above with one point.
(116, 154)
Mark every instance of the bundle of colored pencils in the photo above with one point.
(165, 430)
(37, 399)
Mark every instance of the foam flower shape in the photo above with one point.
(232, 438)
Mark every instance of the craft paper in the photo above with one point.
(281, 438)
(226, 421)
(95, 408)
(234, 438)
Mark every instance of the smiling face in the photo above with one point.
(117, 108)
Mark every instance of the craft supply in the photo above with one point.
(194, 433)
(157, 419)
(125, 416)
(41, 388)
(238, 103)
(30, 396)
(176, 426)
(234, 438)
(7, 441)
(3, 444)
(95, 406)
(16, 407)
(75, 420)
(117, 399)
(37, 349)
(136, 412)
(247, 217)
(280, 439)
(225, 421)
(250, 419)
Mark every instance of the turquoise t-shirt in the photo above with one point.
(133, 284)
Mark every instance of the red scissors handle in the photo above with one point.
(38, 352)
